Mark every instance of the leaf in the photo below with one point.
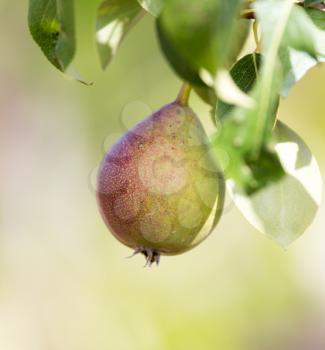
(207, 94)
(249, 171)
(182, 67)
(317, 16)
(246, 132)
(206, 34)
(276, 194)
(178, 61)
(284, 210)
(189, 40)
(229, 92)
(308, 3)
(114, 19)
(252, 166)
(244, 74)
(302, 44)
(51, 23)
(154, 7)
(298, 30)
(295, 65)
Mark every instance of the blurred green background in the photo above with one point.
(64, 282)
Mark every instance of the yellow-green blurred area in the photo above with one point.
(64, 280)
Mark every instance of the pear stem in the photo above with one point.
(184, 94)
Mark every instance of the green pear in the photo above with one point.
(160, 190)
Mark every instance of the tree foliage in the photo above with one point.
(271, 173)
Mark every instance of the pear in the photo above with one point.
(160, 190)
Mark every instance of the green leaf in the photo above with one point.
(207, 94)
(295, 65)
(154, 7)
(206, 34)
(283, 25)
(308, 3)
(244, 74)
(114, 19)
(250, 171)
(318, 17)
(284, 210)
(296, 30)
(178, 61)
(51, 23)
(246, 132)
(253, 163)
(303, 41)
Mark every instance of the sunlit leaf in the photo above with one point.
(114, 19)
(285, 209)
(302, 43)
(295, 65)
(51, 23)
(154, 7)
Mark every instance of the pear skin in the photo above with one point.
(160, 190)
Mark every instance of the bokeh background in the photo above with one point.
(64, 282)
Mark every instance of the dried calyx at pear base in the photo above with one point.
(160, 190)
